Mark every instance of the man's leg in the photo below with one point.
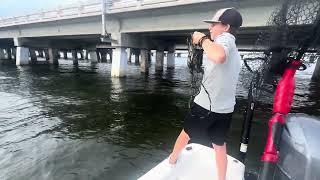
(221, 160)
(181, 142)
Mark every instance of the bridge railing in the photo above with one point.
(73, 11)
(128, 5)
(91, 9)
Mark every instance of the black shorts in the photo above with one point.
(207, 128)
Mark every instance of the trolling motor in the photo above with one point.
(292, 143)
(282, 106)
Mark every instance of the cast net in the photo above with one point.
(292, 32)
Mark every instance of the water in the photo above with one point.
(79, 123)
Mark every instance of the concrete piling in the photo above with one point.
(316, 72)
(22, 56)
(9, 54)
(2, 54)
(53, 56)
(170, 58)
(119, 63)
(93, 56)
(33, 56)
(159, 60)
(75, 57)
(144, 62)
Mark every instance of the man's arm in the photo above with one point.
(214, 51)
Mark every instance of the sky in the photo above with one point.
(21, 7)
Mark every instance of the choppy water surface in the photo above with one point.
(79, 123)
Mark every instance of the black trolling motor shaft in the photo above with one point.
(246, 126)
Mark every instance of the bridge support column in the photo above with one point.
(98, 55)
(159, 60)
(75, 57)
(316, 72)
(65, 54)
(14, 52)
(2, 54)
(59, 55)
(86, 54)
(46, 54)
(136, 53)
(53, 56)
(9, 54)
(170, 58)
(40, 52)
(33, 56)
(144, 61)
(149, 56)
(81, 55)
(103, 53)
(110, 55)
(22, 56)
(93, 56)
(129, 54)
(119, 62)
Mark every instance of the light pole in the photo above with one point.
(104, 35)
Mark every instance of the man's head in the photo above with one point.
(224, 20)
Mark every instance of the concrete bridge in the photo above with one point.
(120, 28)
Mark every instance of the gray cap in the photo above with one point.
(227, 16)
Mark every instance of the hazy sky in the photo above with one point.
(20, 7)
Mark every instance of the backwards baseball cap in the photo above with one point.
(227, 16)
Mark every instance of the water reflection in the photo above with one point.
(67, 122)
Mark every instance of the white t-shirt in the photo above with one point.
(220, 80)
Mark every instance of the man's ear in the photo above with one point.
(227, 28)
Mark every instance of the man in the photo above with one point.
(210, 118)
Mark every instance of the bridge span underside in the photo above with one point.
(141, 26)
(246, 39)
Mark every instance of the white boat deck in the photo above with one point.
(196, 163)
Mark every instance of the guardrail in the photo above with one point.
(69, 12)
(134, 5)
(91, 9)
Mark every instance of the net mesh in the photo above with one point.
(195, 57)
(291, 31)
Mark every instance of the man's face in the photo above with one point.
(217, 28)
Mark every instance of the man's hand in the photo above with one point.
(196, 36)
(215, 52)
